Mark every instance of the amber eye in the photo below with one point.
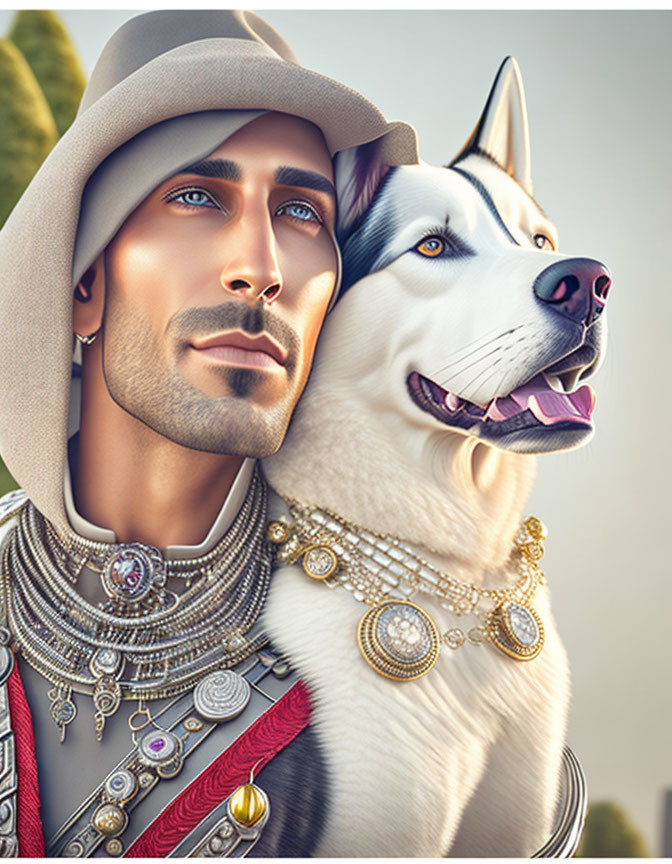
(430, 247)
(541, 241)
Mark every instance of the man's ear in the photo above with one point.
(358, 172)
(87, 314)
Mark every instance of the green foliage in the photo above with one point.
(44, 42)
(7, 482)
(27, 128)
(609, 833)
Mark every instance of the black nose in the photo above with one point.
(576, 287)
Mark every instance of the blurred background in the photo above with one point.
(598, 92)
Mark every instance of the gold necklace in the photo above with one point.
(398, 638)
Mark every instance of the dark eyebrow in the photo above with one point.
(287, 176)
(223, 169)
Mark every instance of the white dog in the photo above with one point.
(453, 355)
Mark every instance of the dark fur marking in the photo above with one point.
(362, 244)
(296, 783)
(485, 195)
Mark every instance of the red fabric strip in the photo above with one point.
(257, 745)
(29, 824)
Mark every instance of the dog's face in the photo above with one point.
(505, 328)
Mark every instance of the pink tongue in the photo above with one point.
(546, 405)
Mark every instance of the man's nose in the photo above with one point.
(252, 270)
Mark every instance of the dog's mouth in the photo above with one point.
(537, 404)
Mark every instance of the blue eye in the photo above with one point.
(298, 210)
(192, 198)
(195, 198)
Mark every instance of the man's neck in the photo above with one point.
(142, 486)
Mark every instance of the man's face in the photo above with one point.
(216, 287)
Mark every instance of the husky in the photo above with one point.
(458, 350)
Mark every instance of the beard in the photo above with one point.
(144, 378)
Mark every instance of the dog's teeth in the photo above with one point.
(554, 382)
(452, 401)
(424, 386)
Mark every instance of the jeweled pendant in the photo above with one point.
(319, 562)
(132, 571)
(399, 640)
(163, 751)
(516, 630)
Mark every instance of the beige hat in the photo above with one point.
(157, 66)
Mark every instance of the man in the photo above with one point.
(191, 208)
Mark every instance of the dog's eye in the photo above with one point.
(541, 241)
(430, 247)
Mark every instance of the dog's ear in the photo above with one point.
(358, 172)
(502, 132)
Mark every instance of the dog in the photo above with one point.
(458, 350)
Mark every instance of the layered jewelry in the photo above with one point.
(160, 753)
(146, 642)
(397, 637)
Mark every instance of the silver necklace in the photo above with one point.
(128, 650)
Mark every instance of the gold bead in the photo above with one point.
(278, 532)
(533, 551)
(536, 528)
(109, 820)
(247, 805)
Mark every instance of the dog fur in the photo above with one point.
(466, 759)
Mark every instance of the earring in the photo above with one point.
(86, 340)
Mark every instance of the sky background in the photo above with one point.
(598, 90)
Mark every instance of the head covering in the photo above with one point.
(157, 66)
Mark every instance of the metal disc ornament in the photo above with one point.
(399, 640)
(516, 630)
(319, 562)
(163, 751)
(221, 696)
(132, 572)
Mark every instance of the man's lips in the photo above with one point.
(243, 349)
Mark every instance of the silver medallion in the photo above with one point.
(221, 696)
(132, 571)
(121, 785)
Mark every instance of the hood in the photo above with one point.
(157, 66)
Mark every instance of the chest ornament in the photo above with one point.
(397, 637)
(163, 627)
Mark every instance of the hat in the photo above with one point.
(156, 66)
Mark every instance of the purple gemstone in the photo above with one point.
(157, 745)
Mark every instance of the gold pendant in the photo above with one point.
(399, 640)
(516, 630)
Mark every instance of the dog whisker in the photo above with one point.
(468, 366)
(484, 345)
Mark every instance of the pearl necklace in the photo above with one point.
(398, 638)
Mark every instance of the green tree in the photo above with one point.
(609, 833)
(27, 127)
(46, 45)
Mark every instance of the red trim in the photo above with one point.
(257, 745)
(29, 824)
